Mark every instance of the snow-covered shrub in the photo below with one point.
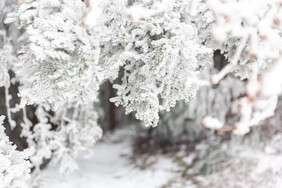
(14, 165)
(62, 136)
(56, 136)
(60, 61)
(257, 35)
(77, 131)
(4, 75)
(161, 59)
(7, 61)
(160, 47)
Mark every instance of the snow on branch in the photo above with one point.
(15, 167)
(139, 11)
(257, 25)
(60, 61)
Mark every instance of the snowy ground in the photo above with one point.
(112, 166)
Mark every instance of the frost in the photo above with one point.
(156, 53)
(60, 61)
(212, 123)
(14, 165)
(73, 129)
(162, 59)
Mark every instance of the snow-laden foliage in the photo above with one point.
(153, 50)
(147, 50)
(4, 75)
(7, 62)
(60, 61)
(255, 28)
(161, 59)
(77, 131)
(56, 136)
(250, 39)
(111, 28)
(14, 165)
(257, 20)
(159, 47)
(62, 136)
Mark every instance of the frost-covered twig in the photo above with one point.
(15, 166)
(7, 101)
(259, 42)
(139, 11)
(234, 61)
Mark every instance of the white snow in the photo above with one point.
(111, 166)
(212, 123)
